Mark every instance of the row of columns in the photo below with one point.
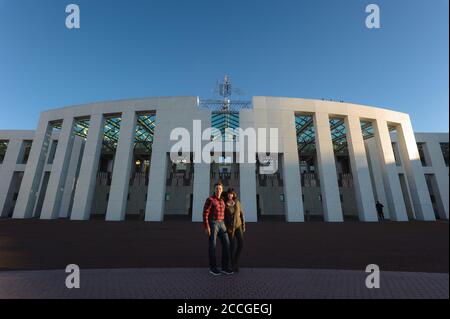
(361, 175)
(85, 187)
(364, 191)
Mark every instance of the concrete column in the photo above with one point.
(327, 169)
(248, 119)
(442, 176)
(72, 173)
(84, 191)
(292, 183)
(55, 187)
(201, 190)
(154, 211)
(7, 172)
(377, 174)
(118, 194)
(360, 170)
(291, 169)
(395, 201)
(247, 186)
(28, 193)
(413, 169)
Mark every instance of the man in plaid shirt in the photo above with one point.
(213, 221)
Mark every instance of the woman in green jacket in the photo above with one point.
(235, 223)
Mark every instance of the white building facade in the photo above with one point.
(115, 161)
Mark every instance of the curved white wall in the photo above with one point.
(267, 112)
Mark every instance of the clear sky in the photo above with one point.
(299, 48)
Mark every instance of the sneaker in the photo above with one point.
(214, 272)
(227, 272)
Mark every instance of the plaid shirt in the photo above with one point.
(214, 209)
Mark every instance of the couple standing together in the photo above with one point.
(223, 218)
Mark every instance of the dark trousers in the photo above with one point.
(380, 215)
(218, 230)
(236, 245)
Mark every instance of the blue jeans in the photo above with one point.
(218, 229)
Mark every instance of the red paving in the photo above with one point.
(410, 247)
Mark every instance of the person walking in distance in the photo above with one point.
(214, 224)
(380, 211)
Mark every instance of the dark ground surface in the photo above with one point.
(37, 245)
(197, 283)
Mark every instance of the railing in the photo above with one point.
(180, 179)
(270, 180)
(345, 180)
(137, 179)
(310, 180)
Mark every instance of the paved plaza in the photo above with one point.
(96, 244)
(195, 283)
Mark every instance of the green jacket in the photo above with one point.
(234, 220)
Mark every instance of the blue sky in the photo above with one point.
(142, 48)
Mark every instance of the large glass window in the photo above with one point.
(221, 121)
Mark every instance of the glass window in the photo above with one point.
(396, 154)
(224, 125)
(423, 158)
(25, 154)
(52, 153)
(3, 148)
(444, 148)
